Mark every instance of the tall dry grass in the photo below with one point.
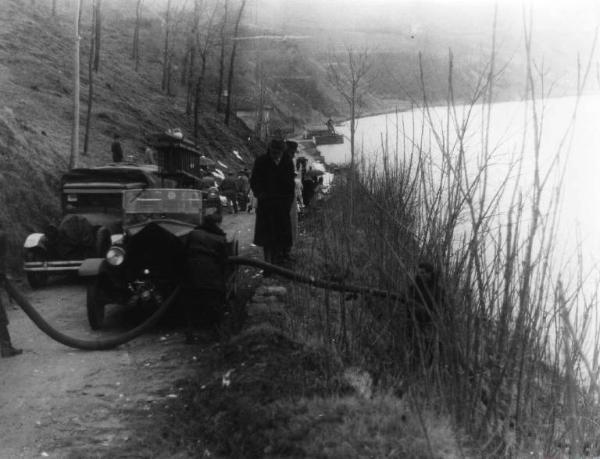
(501, 355)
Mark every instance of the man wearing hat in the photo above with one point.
(229, 190)
(272, 183)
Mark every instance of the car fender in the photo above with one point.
(35, 240)
(91, 267)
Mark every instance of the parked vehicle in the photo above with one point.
(212, 201)
(91, 201)
(146, 264)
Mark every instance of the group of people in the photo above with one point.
(236, 190)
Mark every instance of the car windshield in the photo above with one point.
(172, 203)
(92, 202)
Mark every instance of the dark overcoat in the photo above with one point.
(273, 186)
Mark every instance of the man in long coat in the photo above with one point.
(272, 183)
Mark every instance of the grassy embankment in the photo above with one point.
(496, 354)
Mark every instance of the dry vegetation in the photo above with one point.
(495, 351)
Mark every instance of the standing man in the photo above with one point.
(116, 150)
(243, 188)
(6, 348)
(330, 126)
(291, 148)
(272, 183)
(229, 190)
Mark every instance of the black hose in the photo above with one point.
(110, 343)
(311, 280)
(88, 344)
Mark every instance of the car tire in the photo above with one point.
(103, 241)
(36, 279)
(95, 303)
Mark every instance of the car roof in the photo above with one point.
(111, 176)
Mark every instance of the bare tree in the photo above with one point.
(98, 31)
(166, 57)
(222, 56)
(232, 63)
(203, 46)
(53, 8)
(350, 79)
(135, 52)
(74, 159)
(90, 78)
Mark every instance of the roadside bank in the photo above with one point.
(283, 387)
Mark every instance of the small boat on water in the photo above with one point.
(323, 135)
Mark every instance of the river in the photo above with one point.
(509, 123)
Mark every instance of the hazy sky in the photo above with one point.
(560, 26)
(335, 14)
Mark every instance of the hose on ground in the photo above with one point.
(311, 280)
(101, 344)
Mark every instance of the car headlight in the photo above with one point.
(115, 256)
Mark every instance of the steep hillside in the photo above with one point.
(36, 108)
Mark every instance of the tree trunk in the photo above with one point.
(352, 147)
(169, 73)
(135, 52)
(232, 63)
(185, 62)
(74, 159)
(222, 60)
(189, 100)
(90, 82)
(198, 95)
(53, 8)
(98, 33)
(166, 60)
(194, 46)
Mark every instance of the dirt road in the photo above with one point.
(59, 402)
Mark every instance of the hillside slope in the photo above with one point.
(36, 110)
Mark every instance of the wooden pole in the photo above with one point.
(75, 131)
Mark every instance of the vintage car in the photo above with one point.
(161, 247)
(91, 202)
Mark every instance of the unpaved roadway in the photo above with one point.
(55, 401)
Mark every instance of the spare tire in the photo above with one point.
(76, 238)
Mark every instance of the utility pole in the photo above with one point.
(74, 159)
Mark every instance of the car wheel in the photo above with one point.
(36, 279)
(95, 303)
